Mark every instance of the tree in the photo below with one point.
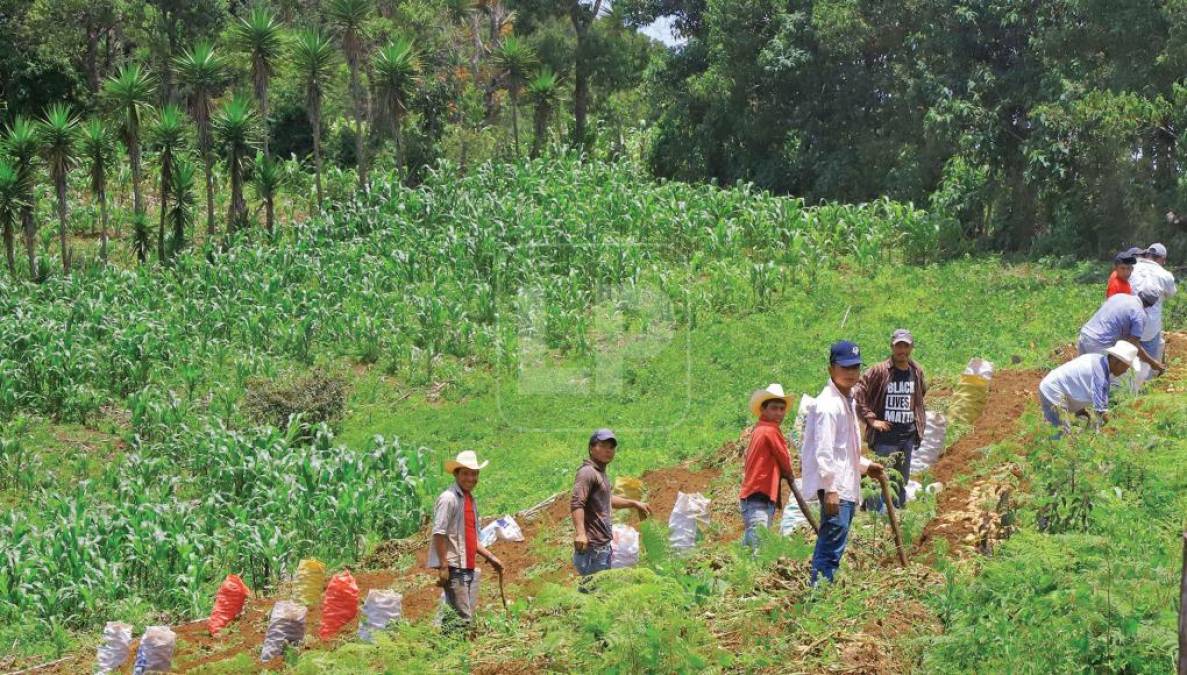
(59, 133)
(203, 73)
(168, 134)
(12, 194)
(181, 212)
(582, 14)
(130, 92)
(98, 147)
(237, 129)
(313, 59)
(22, 144)
(544, 92)
(515, 58)
(348, 18)
(261, 35)
(397, 72)
(266, 177)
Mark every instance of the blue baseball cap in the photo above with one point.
(602, 435)
(844, 354)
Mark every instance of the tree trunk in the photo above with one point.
(581, 19)
(238, 209)
(208, 161)
(9, 253)
(270, 215)
(166, 171)
(60, 188)
(360, 144)
(92, 57)
(134, 159)
(515, 121)
(260, 77)
(541, 127)
(30, 227)
(101, 195)
(315, 120)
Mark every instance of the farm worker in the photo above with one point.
(766, 462)
(1150, 275)
(889, 398)
(831, 458)
(1123, 264)
(1082, 382)
(591, 504)
(455, 544)
(1121, 317)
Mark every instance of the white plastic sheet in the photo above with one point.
(113, 650)
(503, 529)
(379, 609)
(286, 626)
(690, 511)
(156, 651)
(624, 551)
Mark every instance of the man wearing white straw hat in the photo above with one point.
(767, 462)
(454, 548)
(1081, 386)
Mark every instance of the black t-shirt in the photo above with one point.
(899, 411)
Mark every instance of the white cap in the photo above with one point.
(1125, 351)
(1157, 250)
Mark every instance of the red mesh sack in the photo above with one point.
(340, 604)
(228, 603)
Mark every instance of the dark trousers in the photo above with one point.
(895, 456)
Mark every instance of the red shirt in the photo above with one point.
(471, 533)
(767, 460)
(1117, 286)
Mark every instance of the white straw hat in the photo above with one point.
(1125, 351)
(773, 391)
(465, 459)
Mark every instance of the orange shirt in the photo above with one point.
(1117, 286)
(767, 460)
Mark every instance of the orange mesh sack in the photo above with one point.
(340, 604)
(228, 603)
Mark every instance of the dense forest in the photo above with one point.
(1042, 128)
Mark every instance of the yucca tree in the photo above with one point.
(515, 59)
(97, 145)
(313, 59)
(184, 193)
(130, 92)
(12, 196)
(168, 134)
(237, 128)
(267, 176)
(22, 143)
(260, 34)
(544, 92)
(203, 74)
(59, 146)
(348, 18)
(396, 69)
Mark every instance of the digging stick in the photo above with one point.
(502, 593)
(898, 536)
(803, 504)
(1183, 612)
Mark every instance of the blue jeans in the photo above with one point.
(592, 560)
(830, 544)
(757, 511)
(899, 456)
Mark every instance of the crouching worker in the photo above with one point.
(1081, 386)
(767, 461)
(591, 505)
(831, 459)
(455, 546)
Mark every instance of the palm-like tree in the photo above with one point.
(397, 72)
(261, 35)
(59, 136)
(131, 92)
(98, 147)
(348, 18)
(22, 143)
(181, 212)
(12, 195)
(168, 134)
(267, 177)
(544, 92)
(313, 58)
(515, 59)
(203, 73)
(238, 131)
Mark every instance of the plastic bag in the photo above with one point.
(931, 447)
(286, 626)
(793, 518)
(381, 608)
(630, 488)
(341, 604)
(156, 651)
(689, 511)
(503, 529)
(228, 603)
(972, 392)
(113, 651)
(311, 579)
(624, 551)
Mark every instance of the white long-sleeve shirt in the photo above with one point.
(1078, 384)
(830, 457)
(1150, 276)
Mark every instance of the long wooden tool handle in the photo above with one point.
(803, 504)
(898, 536)
(502, 595)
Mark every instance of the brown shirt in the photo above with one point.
(591, 494)
(870, 396)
